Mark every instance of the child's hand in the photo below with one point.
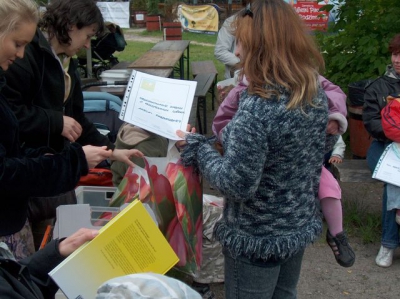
(335, 159)
(333, 127)
(222, 92)
(182, 134)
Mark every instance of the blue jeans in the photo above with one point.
(246, 279)
(390, 229)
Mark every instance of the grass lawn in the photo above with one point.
(135, 49)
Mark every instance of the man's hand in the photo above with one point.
(73, 242)
(124, 155)
(96, 154)
(72, 130)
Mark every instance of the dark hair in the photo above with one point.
(61, 15)
(394, 44)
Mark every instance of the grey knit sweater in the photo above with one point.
(269, 175)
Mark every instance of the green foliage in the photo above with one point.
(359, 221)
(133, 51)
(41, 2)
(139, 5)
(355, 48)
(170, 9)
(152, 8)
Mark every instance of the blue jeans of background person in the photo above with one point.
(390, 229)
(246, 279)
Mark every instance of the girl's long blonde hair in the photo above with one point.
(277, 49)
(14, 12)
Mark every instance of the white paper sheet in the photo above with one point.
(159, 105)
(388, 167)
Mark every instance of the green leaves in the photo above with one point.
(355, 48)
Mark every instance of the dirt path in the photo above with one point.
(322, 277)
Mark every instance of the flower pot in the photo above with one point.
(172, 30)
(153, 23)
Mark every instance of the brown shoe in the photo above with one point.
(341, 248)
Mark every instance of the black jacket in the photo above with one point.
(25, 173)
(28, 279)
(375, 100)
(35, 90)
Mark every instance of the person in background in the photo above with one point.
(391, 127)
(375, 99)
(29, 172)
(133, 137)
(273, 153)
(225, 46)
(44, 90)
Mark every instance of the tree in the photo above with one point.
(355, 48)
(42, 2)
(170, 10)
(139, 5)
(152, 8)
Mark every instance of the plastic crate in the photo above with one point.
(99, 200)
(94, 195)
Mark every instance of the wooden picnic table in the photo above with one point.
(166, 54)
(157, 60)
(176, 45)
(120, 90)
(161, 72)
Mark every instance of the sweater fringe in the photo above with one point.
(265, 248)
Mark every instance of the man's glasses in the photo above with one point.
(247, 11)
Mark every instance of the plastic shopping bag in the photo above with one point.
(174, 193)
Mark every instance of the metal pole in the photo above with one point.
(89, 62)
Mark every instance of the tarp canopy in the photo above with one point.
(199, 18)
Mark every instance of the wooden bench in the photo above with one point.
(353, 171)
(206, 67)
(204, 83)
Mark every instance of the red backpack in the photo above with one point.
(391, 119)
(97, 177)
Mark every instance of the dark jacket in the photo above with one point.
(28, 279)
(35, 90)
(25, 173)
(375, 100)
